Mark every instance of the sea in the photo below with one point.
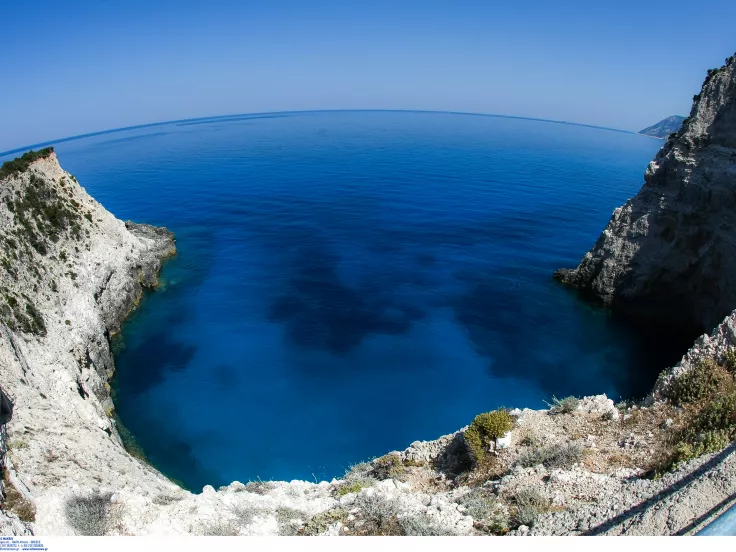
(349, 282)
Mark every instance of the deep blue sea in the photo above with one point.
(349, 282)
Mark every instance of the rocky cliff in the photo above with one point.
(669, 253)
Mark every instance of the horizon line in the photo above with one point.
(216, 117)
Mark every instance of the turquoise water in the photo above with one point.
(349, 282)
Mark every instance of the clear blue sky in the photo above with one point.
(71, 67)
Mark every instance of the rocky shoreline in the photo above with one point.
(668, 254)
(72, 272)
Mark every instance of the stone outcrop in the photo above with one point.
(669, 253)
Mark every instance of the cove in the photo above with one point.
(349, 282)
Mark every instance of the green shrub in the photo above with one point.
(729, 360)
(701, 382)
(706, 443)
(381, 516)
(718, 415)
(486, 428)
(710, 428)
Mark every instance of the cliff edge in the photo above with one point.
(669, 253)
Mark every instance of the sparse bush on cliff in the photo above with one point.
(20, 164)
(568, 405)
(486, 468)
(90, 515)
(563, 455)
(20, 314)
(289, 521)
(316, 525)
(357, 471)
(486, 428)
(389, 466)
(380, 515)
(485, 509)
(42, 214)
(258, 487)
(530, 503)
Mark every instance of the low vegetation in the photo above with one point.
(568, 405)
(316, 525)
(258, 487)
(560, 455)
(227, 528)
(707, 395)
(90, 515)
(354, 485)
(529, 504)
(19, 313)
(43, 215)
(289, 520)
(390, 466)
(703, 381)
(488, 514)
(379, 516)
(14, 501)
(41, 212)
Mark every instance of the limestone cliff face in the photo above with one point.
(71, 272)
(669, 253)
